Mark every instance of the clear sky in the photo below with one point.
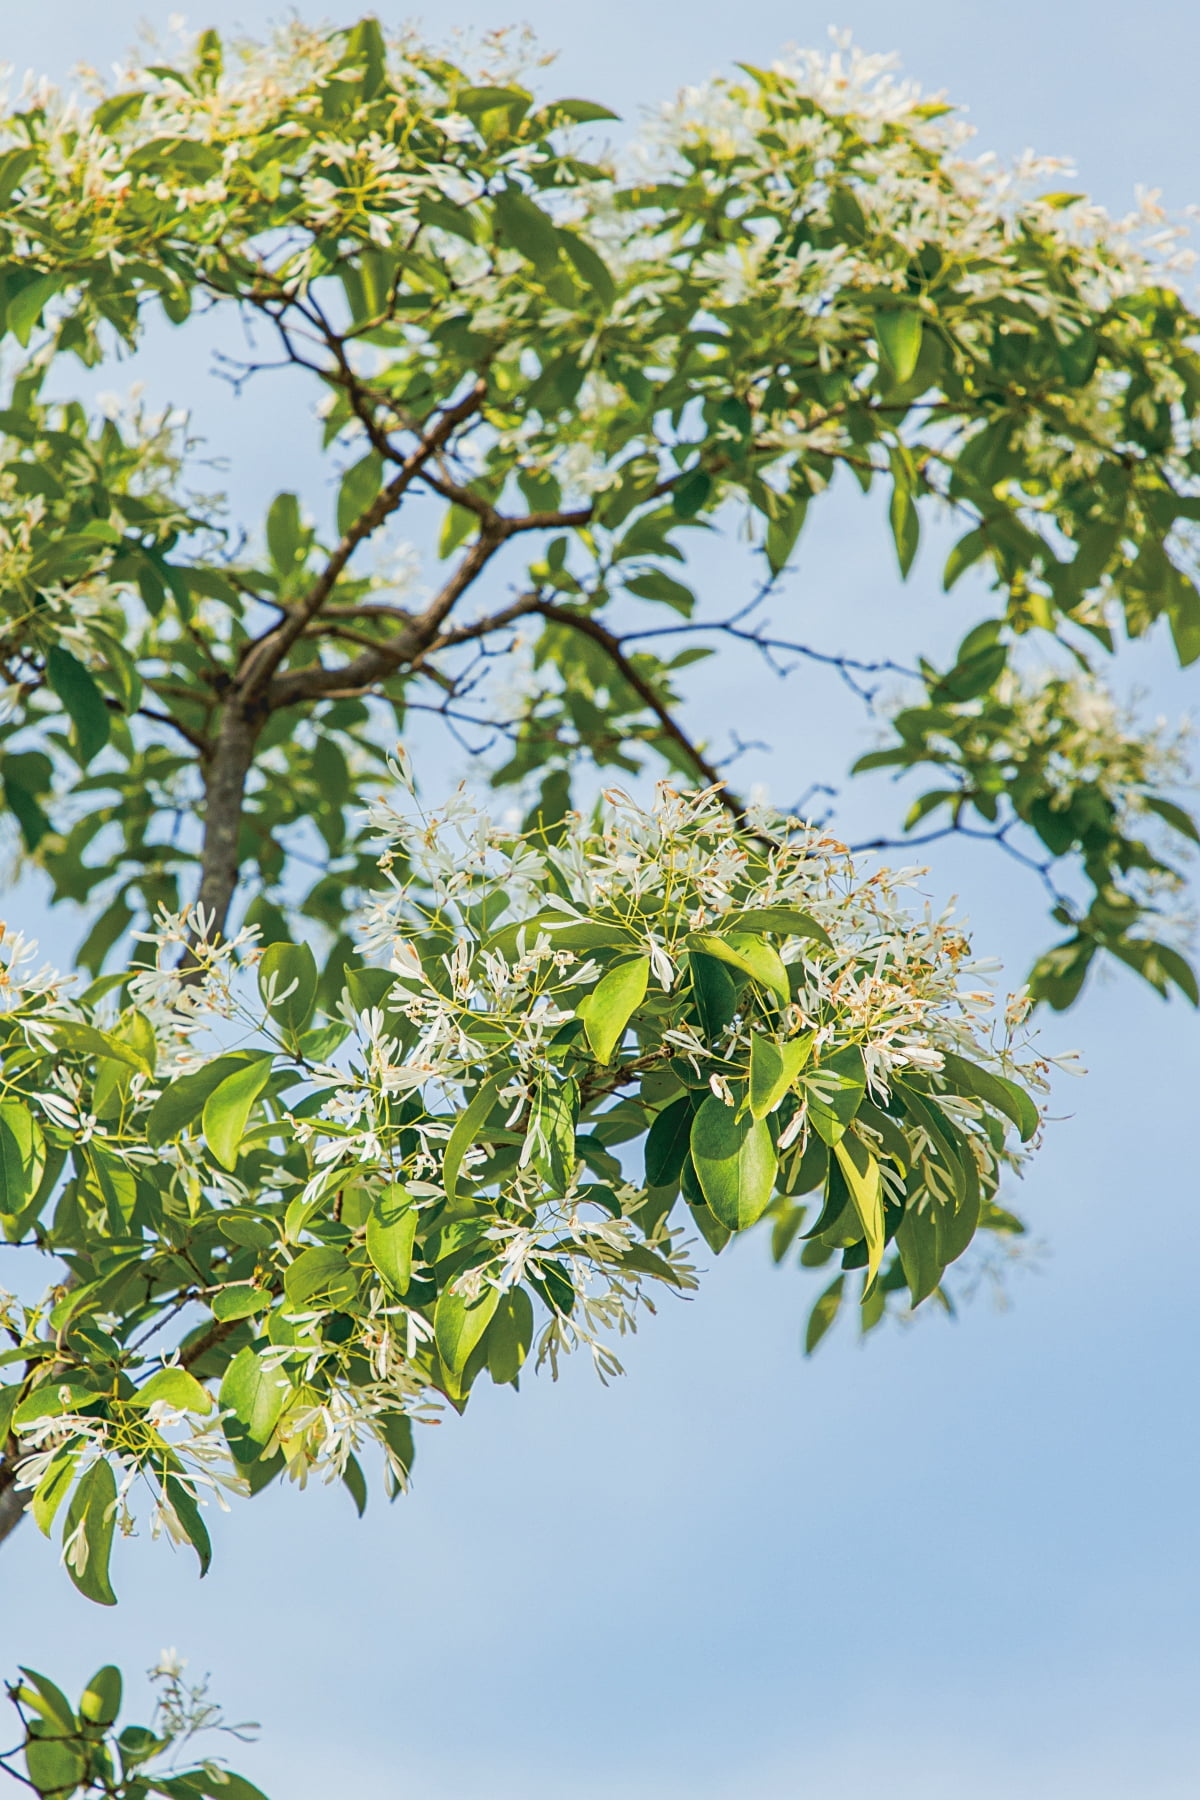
(956, 1564)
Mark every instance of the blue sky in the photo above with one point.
(957, 1562)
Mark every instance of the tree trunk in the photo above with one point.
(224, 793)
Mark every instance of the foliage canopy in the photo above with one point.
(480, 1095)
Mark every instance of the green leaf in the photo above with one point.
(1174, 816)
(182, 1100)
(87, 1041)
(906, 526)
(254, 1397)
(655, 584)
(288, 973)
(26, 307)
(590, 266)
(509, 1336)
(466, 1132)
(187, 1511)
(49, 1700)
(773, 1070)
(228, 1108)
(783, 530)
(360, 484)
(898, 334)
(582, 112)
(610, 1005)
(1183, 612)
(457, 525)
(93, 1512)
(690, 493)
(747, 954)
(284, 532)
(668, 1143)
(52, 1490)
(391, 1229)
(973, 676)
(16, 1186)
(866, 1193)
(824, 1312)
(23, 805)
(475, 100)
(735, 1163)
(783, 921)
(356, 1483)
(178, 1389)
(834, 1092)
(551, 1131)
(715, 992)
(965, 553)
(82, 699)
(320, 1280)
(1004, 1095)
(240, 1300)
(527, 228)
(459, 1324)
(56, 1766)
(916, 1240)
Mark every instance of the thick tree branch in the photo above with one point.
(265, 656)
(250, 699)
(611, 645)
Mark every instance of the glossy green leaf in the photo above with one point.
(783, 921)
(749, 955)
(318, 1280)
(916, 1240)
(227, 1109)
(668, 1143)
(608, 1008)
(359, 487)
(253, 1395)
(88, 1533)
(466, 1132)
(187, 1510)
(288, 974)
(866, 1193)
(284, 533)
(590, 266)
(898, 334)
(526, 227)
(239, 1301)
(823, 1314)
(905, 523)
(182, 1100)
(834, 1090)
(1175, 816)
(87, 1041)
(551, 1131)
(773, 1070)
(178, 1389)
(82, 699)
(735, 1164)
(49, 1701)
(55, 1766)
(1006, 1096)
(15, 1183)
(391, 1230)
(509, 1336)
(459, 1323)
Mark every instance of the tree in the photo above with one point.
(298, 1188)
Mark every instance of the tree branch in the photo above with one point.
(267, 653)
(612, 647)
